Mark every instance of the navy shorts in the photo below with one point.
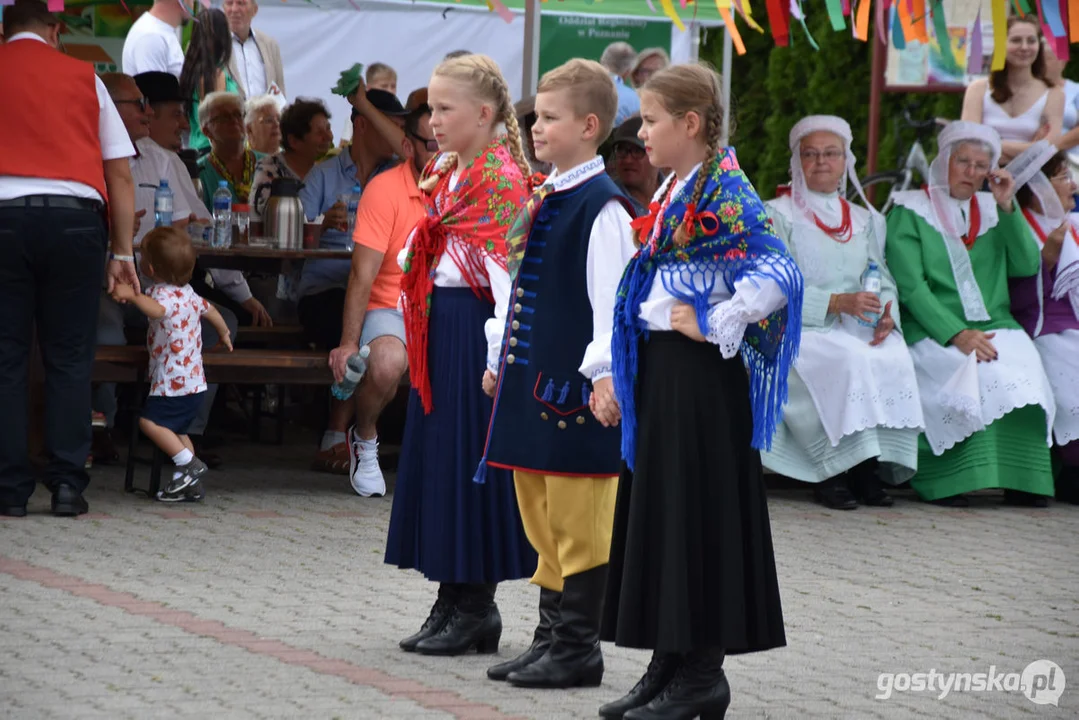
(174, 413)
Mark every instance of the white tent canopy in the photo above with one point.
(320, 40)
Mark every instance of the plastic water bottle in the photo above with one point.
(163, 204)
(353, 207)
(871, 282)
(354, 371)
(222, 216)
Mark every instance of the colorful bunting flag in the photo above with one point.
(779, 21)
(835, 14)
(974, 55)
(728, 22)
(1000, 34)
(861, 23)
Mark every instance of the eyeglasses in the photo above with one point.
(141, 103)
(966, 164)
(269, 120)
(628, 150)
(429, 144)
(831, 155)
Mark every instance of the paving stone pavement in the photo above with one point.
(270, 600)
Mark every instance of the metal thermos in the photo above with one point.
(283, 217)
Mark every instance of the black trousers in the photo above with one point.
(52, 265)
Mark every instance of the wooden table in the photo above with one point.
(257, 258)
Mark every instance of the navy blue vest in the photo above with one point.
(542, 422)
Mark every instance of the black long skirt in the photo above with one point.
(692, 564)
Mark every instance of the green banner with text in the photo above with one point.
(568, 36)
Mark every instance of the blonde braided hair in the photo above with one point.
(683, 89)
(483, 76)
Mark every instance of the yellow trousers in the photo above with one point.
(568, 520)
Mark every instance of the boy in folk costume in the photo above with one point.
(567, 251)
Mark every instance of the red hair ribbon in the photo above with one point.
(694, 220)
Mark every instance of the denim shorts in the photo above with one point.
(381, 322)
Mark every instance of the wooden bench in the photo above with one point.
(130, 364)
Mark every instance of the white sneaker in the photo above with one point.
(366, 475)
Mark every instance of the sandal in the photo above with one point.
(333, 460)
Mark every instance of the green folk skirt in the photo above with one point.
(1010, 454)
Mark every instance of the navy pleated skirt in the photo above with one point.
(443, 524)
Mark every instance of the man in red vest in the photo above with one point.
(63, 160)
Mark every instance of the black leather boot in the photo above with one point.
(474, 623)
(699, 689)
(548, 614)
(660, 672)
(866, 486)
(436, 620)
(833, 493)
(574, 658)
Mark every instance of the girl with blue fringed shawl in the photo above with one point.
(711, 292)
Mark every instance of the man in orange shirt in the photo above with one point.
(390, 207)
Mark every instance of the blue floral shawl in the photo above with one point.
(733, 239)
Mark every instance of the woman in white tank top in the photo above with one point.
(1018, 101)
(1069, 143)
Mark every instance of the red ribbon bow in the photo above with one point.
(643, 225)
(694, 220)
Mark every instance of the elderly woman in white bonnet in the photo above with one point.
(853, 414)
(987, 403)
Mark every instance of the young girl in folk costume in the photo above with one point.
(464, 535)
(711, 292)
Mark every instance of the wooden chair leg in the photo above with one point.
(256, 411)
(280, 414)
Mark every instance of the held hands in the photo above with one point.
(1002, 185)
(976, 341)
(884, 326)
(121, 272)
(490, 383)
(123, 293)
(603, 403)
(336, 218)
(684, 320)
(857, 304)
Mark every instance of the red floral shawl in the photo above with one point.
(477, 213)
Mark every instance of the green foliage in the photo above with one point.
(773, 87)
